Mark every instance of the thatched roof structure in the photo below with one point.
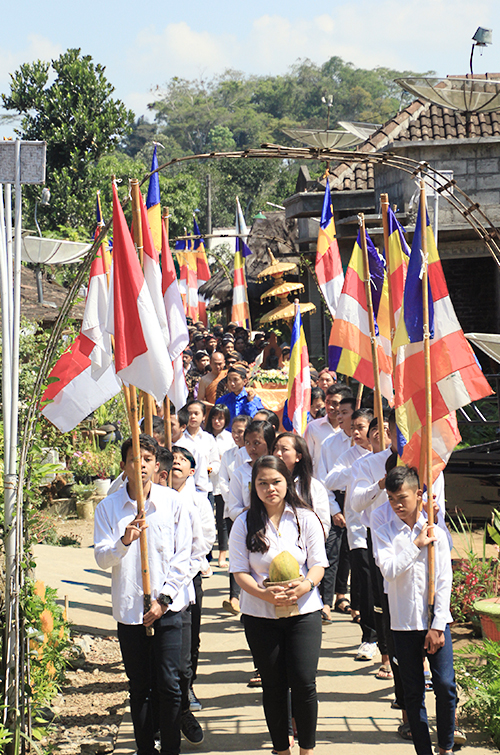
(54, 295)
(275, 232)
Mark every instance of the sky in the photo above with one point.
(143, 45)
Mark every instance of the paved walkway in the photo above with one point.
(354, 707)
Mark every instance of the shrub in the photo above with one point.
(478, 674)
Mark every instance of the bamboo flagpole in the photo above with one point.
(384, 201)
(427, 437)
(166, 401)
(377, 404)
(136, 450)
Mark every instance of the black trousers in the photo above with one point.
(286, 653)
(234, 588)
(344, 565)
(154, 661)
(195, 610)
(360, 575)
(222, 533)
(332, 545)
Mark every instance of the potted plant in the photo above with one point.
(488, 608)
(84, 506)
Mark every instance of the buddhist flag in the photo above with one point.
(188, 281)
(349, 349)
(141, 356)
(299, 378)
(202, 272)
(153, 204)
(397, 256)
(240, 313)
(179, 336)
(455, 375)
(328, 263)
(84, 378)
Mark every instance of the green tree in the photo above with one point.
(77, 117)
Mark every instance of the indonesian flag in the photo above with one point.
(152, 272)
(84, 378)
(141, 356)
(178, 392)
(328, 264)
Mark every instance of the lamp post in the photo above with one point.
(481, 38)
(44, 201)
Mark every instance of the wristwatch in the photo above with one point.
(308, 579)
(164, 600)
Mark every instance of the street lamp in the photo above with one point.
(44, 201)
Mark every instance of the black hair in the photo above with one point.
(257, 517)
(145, 441)
(391, 462)
(364, 413)
(263, 428)
(392, 417)
(242, 418)
(217, 409)
(166, 458)
(374, 423)
(194, 401)
(183, 416)
(348, 400)
(187, 455)
(271, 417)
(398, 476)
(317, 392)
(303, 468)
(341, 389)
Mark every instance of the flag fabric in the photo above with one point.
(349, 348)
(240, 313)
(328, 263)
(202, 272)
(84, 378)
(188, 280)
(141, 356)
(153, 203)
(179, 336)
(299, 378)
(152, 271)
(455, 374)
(397, 256)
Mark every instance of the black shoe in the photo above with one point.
(191, 729)
(194, 703)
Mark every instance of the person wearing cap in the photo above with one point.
(187, 360)
(210, 344)
(238, 400)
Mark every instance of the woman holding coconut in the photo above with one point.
(277, 554)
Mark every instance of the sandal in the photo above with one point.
(255, 681)
(340, 608)
(404, 732)
(384, 672)
(325, 619)
(356, 619)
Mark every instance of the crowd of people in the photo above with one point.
(335, 500)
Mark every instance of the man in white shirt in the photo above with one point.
(401, 547)
(320, 429)
(194, 438)
(178, 424)
(117, 530)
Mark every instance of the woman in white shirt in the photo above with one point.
(285, 650)
(217, 421)
(292, 449)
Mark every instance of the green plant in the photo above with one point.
(478, 674)
(82, 492)
(474, 575)
(90, 463)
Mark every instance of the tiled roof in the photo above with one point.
(419, 121)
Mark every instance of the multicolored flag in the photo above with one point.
(240, 313)
(397, 256)
(328, 263)
(455, 374)
(141, 356)
(84, 378)
(188, 279)
(202, 272)
(153, 203)
(179, 336)
(299, 377)
(349, 348)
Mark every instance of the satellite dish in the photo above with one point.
(362, 130)
(41, 251)
(323, 139)
(466, 95)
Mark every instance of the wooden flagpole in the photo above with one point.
(138, 241)
(384, 201)
(427, 438)
(377, 395)
(166, 401)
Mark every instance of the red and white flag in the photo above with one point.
(83, 378)
(152, 272)
(141, 356)
(179, 335)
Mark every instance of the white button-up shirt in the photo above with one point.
(404, 566)
(239, 490)
(366, 495)
(342, 477)
(203, 523)
(207, 456)
(316, 432)
(308, 549)
(331, 448)
(224, 442)
(169, 536)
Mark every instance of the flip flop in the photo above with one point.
(356, 619)
(255, 681)
(384, 672)
(339, 608)
(404, 732)
(325, 619)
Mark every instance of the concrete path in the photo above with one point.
(354, 707)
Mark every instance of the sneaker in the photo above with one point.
(366, 651)
(191, 729)
(194, 703)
